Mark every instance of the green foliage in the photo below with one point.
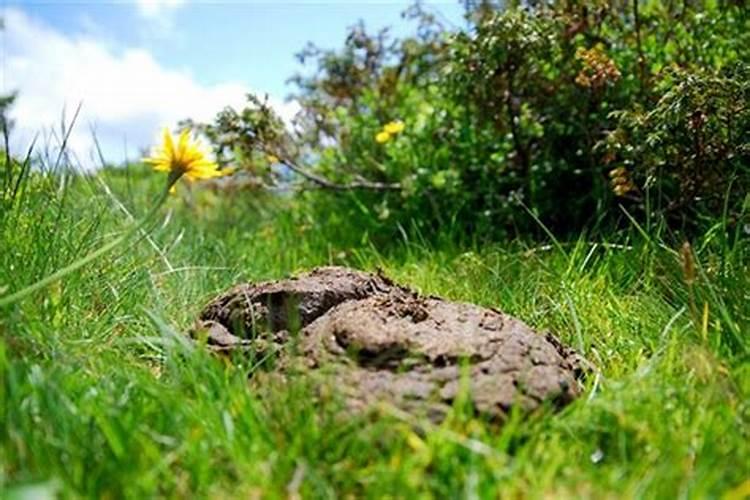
(6, 102)
(691, 151)
(238, 138)
(555, 113)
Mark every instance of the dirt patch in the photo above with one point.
(407, 349)
(379, 342)
(250, 312)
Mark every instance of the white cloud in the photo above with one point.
(156, 8)
(158, 16)
(127, 96)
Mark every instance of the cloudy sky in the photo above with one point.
(141, 65)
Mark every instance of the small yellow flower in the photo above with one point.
(394, 127)
(272, 158)
(382, 137)
(623, 189)
(186, 158)
(618, 172)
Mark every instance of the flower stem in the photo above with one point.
(61, 273)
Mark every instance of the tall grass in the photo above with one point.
(102, 396)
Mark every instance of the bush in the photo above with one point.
(554, 113)
(690, 152)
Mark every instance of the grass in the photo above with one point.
(102, 397)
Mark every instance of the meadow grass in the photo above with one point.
(103, 397)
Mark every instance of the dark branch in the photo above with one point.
(329, 184)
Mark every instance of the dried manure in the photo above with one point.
(376, 341)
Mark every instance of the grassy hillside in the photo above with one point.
(102, 396)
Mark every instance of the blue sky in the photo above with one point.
(141, 65)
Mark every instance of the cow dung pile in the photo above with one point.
(380, 342)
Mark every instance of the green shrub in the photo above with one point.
(690, 153)
(556, 114)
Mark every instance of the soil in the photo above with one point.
(251, 310)
(378, 342)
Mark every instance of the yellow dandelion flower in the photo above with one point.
(187, 158)
(382, 137)
(394, 127)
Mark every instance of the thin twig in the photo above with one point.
(328, 184)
